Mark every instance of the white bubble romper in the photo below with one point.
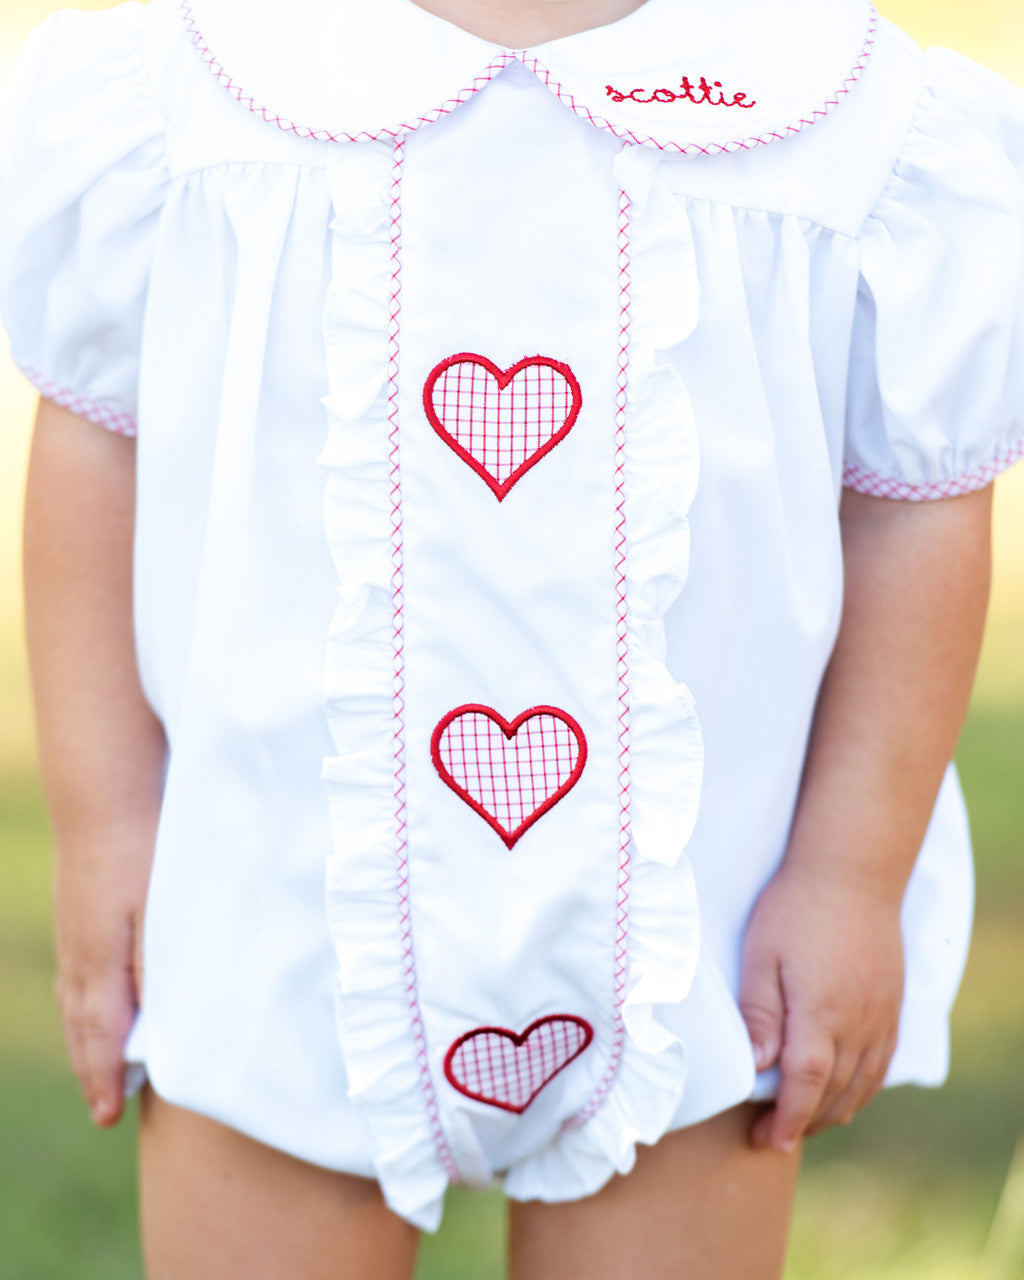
(493, 407)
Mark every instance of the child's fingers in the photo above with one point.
(761, 1129)
(763, 1008)
(807, 1063)
(97, 1064)
(763, 1132)
(847, 1063)
(95, 1025)
(103, 1081)
(865, 1083)
(838, 1104)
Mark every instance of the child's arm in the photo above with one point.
(101, 747)
(823, 958)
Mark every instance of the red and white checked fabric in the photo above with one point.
(509, 772)
(877, 486)
(507, 1069)
(501, 422)
(104, 415)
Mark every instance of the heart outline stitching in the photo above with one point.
(503, 378)
(510, 729)
(520, 1040)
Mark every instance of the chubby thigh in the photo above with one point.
(215, 1203)
(701, 1204)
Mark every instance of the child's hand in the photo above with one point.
(99, 898)
(823, 956)
(102, 749)
(821, 994)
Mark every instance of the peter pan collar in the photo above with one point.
(694, 76)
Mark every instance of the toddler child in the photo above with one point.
(518, 661)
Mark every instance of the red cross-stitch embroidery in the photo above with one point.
(507, 1069)
(494, 68)
(501, 422)
(510, 773)
(621, 971)
(411, 981)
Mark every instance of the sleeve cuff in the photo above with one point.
(879, 486)
(104, 414)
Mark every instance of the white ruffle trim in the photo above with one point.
(666, 753)
(375, 1012)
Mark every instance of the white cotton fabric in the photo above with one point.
(80, 213)
(792, 65)
(839, 299)
(903, 396)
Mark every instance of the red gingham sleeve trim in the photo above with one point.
(104, 415)
(320, 133)
(889, 487)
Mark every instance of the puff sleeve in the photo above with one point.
(936, 391)
(82, 179)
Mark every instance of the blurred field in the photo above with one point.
(908, 1193)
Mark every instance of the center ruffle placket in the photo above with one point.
(411, 1086)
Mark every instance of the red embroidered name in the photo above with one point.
(700, 94)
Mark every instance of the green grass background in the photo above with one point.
(911, 1191)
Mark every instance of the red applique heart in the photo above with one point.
(501, 421)
(509, 772)
(508, 1069)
